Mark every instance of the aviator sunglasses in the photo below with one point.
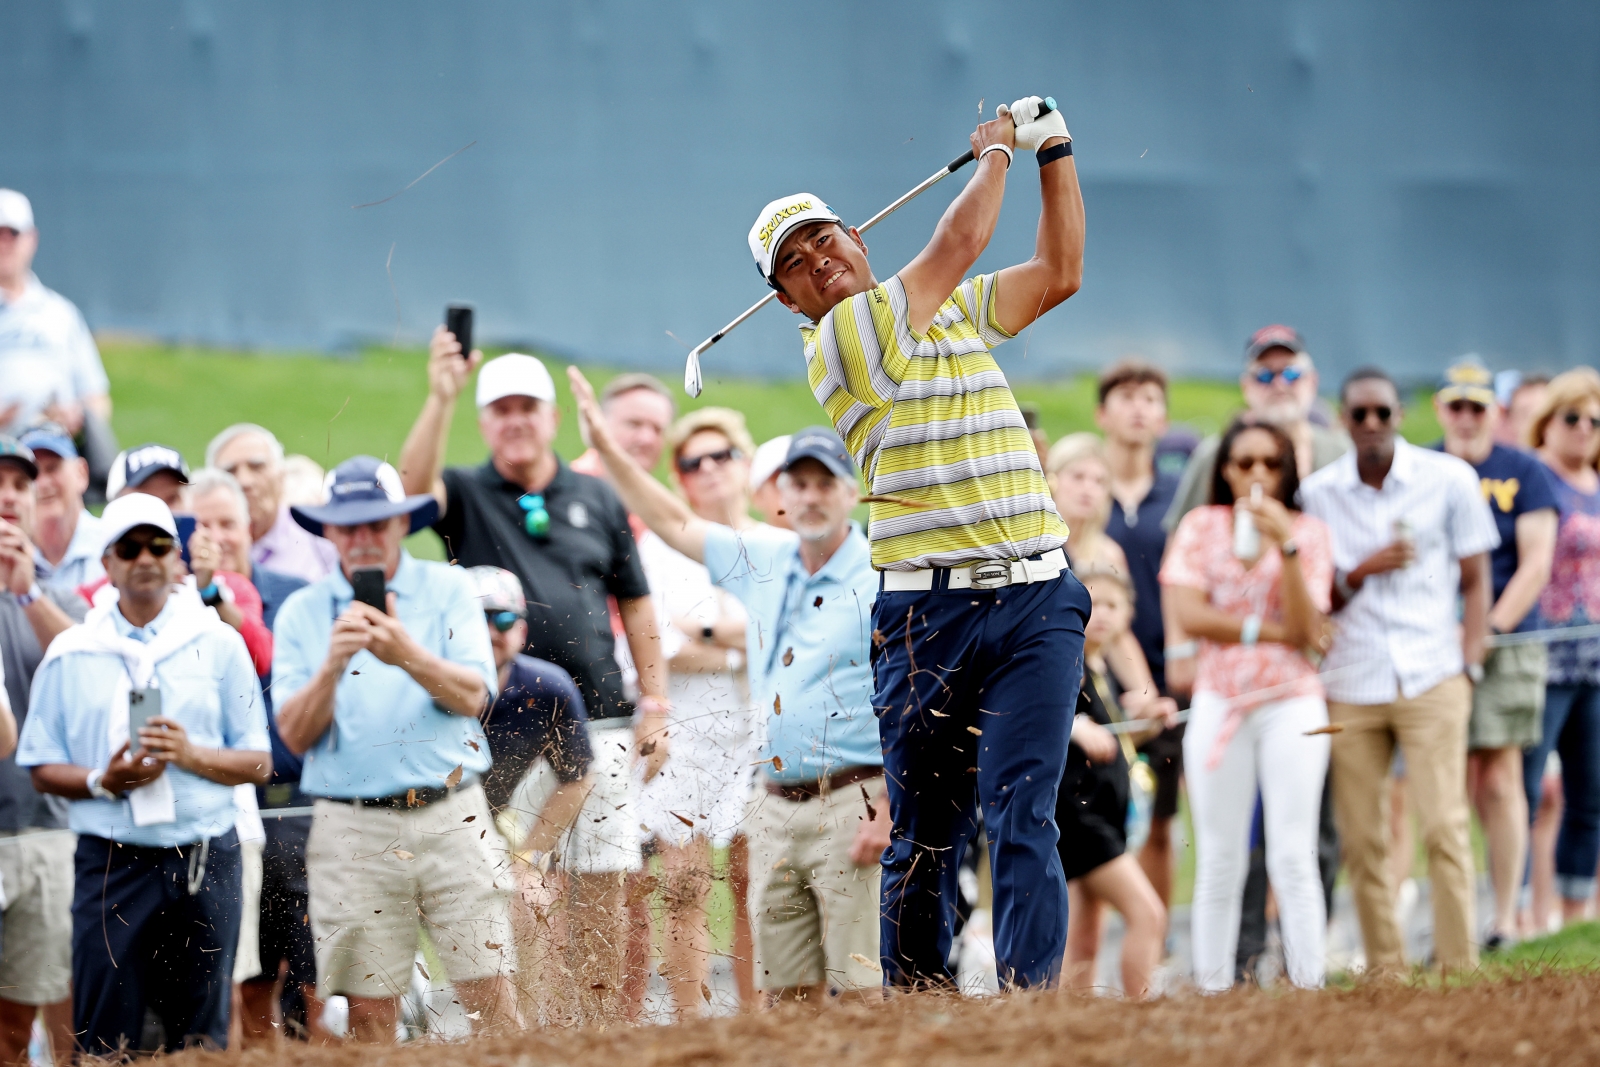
(1290, 375)
(128, 549)
(691, 464)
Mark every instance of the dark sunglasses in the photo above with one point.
(1458, 407)
(1383, 411)
(503, 620)
(1572, 418)
(690, 464)
(535, 517)
(128, 549)
(1246, 464)
(1290, 375)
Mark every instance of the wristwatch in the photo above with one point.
(212, 595)
(1475, 673)
(96, 790)
(33, 593)
(1289, 548)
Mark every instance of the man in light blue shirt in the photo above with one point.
(67, 539)
(380, 673)
(146, 716)
(822, 823)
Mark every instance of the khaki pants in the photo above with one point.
(1431, 730)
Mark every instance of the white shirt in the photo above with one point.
(46, 354)
(1403, 623)
(81, 564)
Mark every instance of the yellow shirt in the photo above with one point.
(930, 418)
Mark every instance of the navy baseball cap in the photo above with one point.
(20, 454)
(48, 437)
(1275, 336)
(135, 466)
(365, 489)
(823, 445)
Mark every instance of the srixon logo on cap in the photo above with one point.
(777, 217)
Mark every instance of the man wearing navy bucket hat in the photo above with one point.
(383, 703)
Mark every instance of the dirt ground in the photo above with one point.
(1541, 1020)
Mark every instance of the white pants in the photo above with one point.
(1270, 748)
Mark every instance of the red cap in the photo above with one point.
(1275, 336)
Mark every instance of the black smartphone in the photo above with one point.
(186, 524)
(367, 584)
(458, 320)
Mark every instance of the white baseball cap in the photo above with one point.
(135, 509)
(514, 375)
(768, 458)
(777, 219)
(15, 211)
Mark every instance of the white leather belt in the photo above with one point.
(989, 574)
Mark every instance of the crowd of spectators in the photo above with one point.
(255, 745)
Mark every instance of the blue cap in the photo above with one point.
(48, 437)
(365, 489)
(823, 445)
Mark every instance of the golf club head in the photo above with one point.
(691, 371)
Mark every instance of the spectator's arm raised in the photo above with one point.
(422, 457)
(647, 498)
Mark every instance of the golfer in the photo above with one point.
(978, 623)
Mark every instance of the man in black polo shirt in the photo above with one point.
(566, 536)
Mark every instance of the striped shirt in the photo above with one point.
(932, 419)
(1399, 635)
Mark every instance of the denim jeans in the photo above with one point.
(1571, 728)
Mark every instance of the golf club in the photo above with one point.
(692, 383)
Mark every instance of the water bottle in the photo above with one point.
(1246, 538)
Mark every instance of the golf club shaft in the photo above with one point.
(692, 383)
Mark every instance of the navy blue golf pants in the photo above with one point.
(975, 692)
(141, 939)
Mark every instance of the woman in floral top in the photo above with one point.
(1257, 700)
(1566, 433)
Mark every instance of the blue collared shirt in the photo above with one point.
(808, 642)
(81, 564)
(388, 735)
(209, 686)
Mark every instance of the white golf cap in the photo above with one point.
(135, 509)
(514, 375)
(15, 211)
(777, 219)
(768, 458)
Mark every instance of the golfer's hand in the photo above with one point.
(1098, 743)
(872, 837)
(447, 371)
(127, 771)
(1000, 130)
(591, 422)
(1034, 129)
(351, 633)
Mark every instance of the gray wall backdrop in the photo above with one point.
(1403, 181)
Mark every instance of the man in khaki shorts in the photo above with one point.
(1508, 700)
(384, 706)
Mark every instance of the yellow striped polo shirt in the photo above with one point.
(932, 419)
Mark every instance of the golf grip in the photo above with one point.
(956, 164)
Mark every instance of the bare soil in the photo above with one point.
(1538, 1020)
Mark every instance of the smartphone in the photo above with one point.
(367, 584)
(458, 320)
(186, 524)
(143, 705)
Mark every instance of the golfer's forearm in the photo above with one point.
(422, 456)
(669, 517)
(1059, 244)
(557, 814)
(969, 221)
(644, 641)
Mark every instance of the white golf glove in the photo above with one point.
(1033, 129)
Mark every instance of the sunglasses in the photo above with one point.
(690, 464)
(1572, 418)
(1458, 407)
(128, 549)
(1246, 464)
(1290, 375)
(503, 620)
(1383, 411)
(535, 517)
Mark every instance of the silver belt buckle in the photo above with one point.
(994, 574)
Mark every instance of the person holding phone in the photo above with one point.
(146, 716)
(381, 695)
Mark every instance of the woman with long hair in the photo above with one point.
(1080, 483)
(1566, 435)
(1250, 576)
